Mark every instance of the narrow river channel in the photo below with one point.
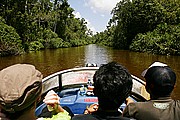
(53, 60)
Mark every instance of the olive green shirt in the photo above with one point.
(60, 116)
(160, 109)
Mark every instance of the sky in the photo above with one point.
(97, 13)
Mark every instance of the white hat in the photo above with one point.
(152, 65)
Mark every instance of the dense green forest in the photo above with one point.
(30, 25)
(145, 26)
(139, 25)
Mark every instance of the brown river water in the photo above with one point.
(53, 60)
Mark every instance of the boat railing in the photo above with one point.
(55, 80)
(59, 79)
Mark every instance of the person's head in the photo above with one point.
(160, 80)
(20, 87)
(112, 85)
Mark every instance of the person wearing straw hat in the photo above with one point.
(160, 82)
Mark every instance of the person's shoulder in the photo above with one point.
(92, 117)
(138, 104)
(84, 117)
(120, 118)
(134, 107)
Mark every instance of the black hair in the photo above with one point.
(112, 85)
(160, 81)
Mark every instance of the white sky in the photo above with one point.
(95, 12)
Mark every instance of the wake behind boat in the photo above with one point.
(75, 88)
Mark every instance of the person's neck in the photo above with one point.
(28, 115)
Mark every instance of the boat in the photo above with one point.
(75, 88)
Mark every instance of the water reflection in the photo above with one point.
(97, 54)
(53, 60)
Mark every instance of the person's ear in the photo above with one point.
(38, 100)
(149, 88)
(174, 86)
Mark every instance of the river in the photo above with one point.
(53, 60)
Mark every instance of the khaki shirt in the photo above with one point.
(161, 109)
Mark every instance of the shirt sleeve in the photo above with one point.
(60, 116)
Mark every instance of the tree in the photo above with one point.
(165, 39)
(10, 43)
(44, 23)
(141, 16)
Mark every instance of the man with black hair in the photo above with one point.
(160, 82)
(112, 85)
